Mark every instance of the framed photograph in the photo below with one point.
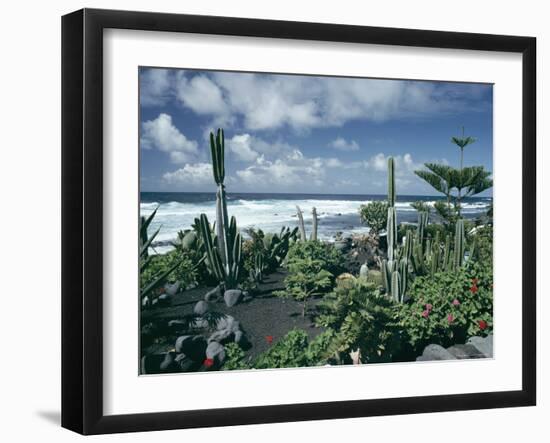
(270, 221)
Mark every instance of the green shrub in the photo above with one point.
(295, 350)
(289, 352)
(184, 272)
(374, 215)
(363, 319)
(449, 307)
(234, 358)
(329, 257)
(306, 278)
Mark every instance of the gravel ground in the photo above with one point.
(260, 316)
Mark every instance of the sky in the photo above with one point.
(305, 134)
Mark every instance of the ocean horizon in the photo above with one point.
(271, 211)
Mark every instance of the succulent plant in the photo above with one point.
(223, 252)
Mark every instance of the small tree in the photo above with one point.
(374, 215)
(306, 278)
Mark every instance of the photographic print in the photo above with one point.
(293, 221)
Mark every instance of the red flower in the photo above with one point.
(482, 324)
(425, 313)
(269, 339)
(208, 362)
(450, 318)
(473, 289)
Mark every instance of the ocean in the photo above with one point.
(270, 212)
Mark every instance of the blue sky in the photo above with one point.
(305, 134)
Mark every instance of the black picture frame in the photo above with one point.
(82, 215)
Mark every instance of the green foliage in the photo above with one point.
(374, 215)
(289, 352)
(295, 350)
(306, 278)
(180, 265)
(331, 259)
(421, 206)
(447, 308)
(272, 246)
(228, 272)
(482, 245)
(363, 319)
(235, 358)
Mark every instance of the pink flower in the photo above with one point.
(456, 302)
(208, 362)
(269, 339)
(425, 313)
(450, 318)
(429, 307)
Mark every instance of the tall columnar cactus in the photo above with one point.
(301, 225)
(422, 223)
(460, 244)
(314, 225)
(224, 251)
(391, 227)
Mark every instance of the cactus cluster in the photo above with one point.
(223, 250)
(301, 225)
(395, 270)
(419, 255)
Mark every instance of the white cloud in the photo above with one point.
(241, 146)
(268, 102)
(290, 170)
(200, 94)
(154, 87)
(190, 174)
(161, 134)
(342, 144)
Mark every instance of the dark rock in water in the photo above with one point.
(483, 344)
(201, 308)
(465, 351)
(213, 295)
(435, 352)
(216, 352)
(232, 297)
(193, 346)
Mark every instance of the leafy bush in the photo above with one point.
(306, 278)
(185, 271)
(295, 350)
(374, 215)
(363, 319)
(234, 358)
(329, 257)
(449, 307)
(289, 352)
(482, 241)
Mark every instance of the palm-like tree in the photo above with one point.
(456, 184)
